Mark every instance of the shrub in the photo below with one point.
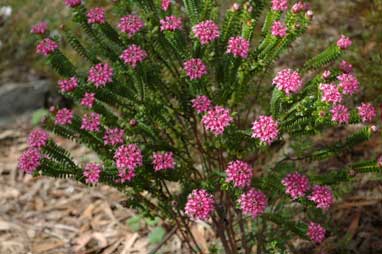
(168, 106)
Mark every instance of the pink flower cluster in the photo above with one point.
(299, 7)
(200, 205)
(348, 83)
(92, 172)
(266, 129)
(46, 47)
(100, 74)
(322, 196)
(64, 116)
(346, 67)
(163, 161)
(88, 100)
(171, 23)
(128, 157)
(253, 203)
(288, 81)
(29, 160)
(96, 16)
(166, 4)
(72, 3)
(38, 138)
(279, 5)
(195, 68)
(131, 24)
(344, 42)
(240, 173)
(330, 93)
(68, 85)
(206, 31)
(340, 114)
(133, 55)
(316, 232)
(40, 28)
(238, 46)
(114, 136)
(279, 29)
(367, 112)
(217, 119)
(201, 103)
(91, 122)
(296, 185)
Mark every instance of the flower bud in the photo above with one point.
(326, 74)
(133, 122)
(309, 14)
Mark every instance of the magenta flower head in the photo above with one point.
(131, 24)
(367, 112)
(288, 81)
(64, 116)
(171, 23)
(68, 85)
(46, 47)
(340, 114)
(37, 138)
(253, 203)
(201, 103)
(200, 205)
(91, 122)
(100, 75)
(92, 172)
(296, 185)
(344, 42)
(348, 83)
(40, 28)
(316, 232)
(330, 93)
(114, 136)
(206, 31)
(166, 4)
(88, 100)
(238, 46)
(133, 55)
(216, 120)
(322, 196)
(195, 68)
(266, 129)
(240, 173)
(72, 3)
(279, 5)
(96, 16)
(298, 7)
(279, 29)
(163, 161)
(128, 157)
(30, 160)
(346, 67)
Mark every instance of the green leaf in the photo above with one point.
(134, 223)
(157, 235)
(38, 115)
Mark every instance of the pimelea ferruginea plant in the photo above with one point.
(174, 100)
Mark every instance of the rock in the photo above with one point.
(18, 98)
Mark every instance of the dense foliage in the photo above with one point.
(170, 102)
